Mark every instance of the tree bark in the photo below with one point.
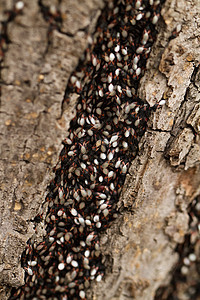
(35, 71)
(163, 179)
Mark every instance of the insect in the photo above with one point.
(96, 155)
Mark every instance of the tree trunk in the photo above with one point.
(163, 179)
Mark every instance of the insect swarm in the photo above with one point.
(101, 143)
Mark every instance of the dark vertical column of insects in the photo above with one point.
(184, 283)
(101, 143)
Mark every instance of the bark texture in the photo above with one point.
(163, 179)
(34, 75)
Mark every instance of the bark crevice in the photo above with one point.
(164, 178)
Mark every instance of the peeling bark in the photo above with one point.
(163, 179)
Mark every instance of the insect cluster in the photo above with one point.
(184, 283)
(101, 143)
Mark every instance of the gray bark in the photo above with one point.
(163, 179)
(35, 73)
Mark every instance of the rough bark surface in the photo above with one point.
(163, 179)
(34, 75)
